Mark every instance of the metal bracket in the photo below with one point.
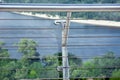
(59, 68)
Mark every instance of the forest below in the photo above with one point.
(33, 66)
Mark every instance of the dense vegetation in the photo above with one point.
(31, 66)
(85, 15)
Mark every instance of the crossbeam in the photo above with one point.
(59, 7)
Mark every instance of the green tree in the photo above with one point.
(28, 48)
(115, 75)
(36, 70)
(98, 67)
(6, 69)
(30, 55)
(3, 51)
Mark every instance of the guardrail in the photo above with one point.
(60, 7)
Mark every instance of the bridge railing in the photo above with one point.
(64, 46)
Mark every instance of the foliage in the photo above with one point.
(3, 51)
(115, 74)
(30, 65)
(4, 62)
(45, 67)
(28, 48)
(98, 67)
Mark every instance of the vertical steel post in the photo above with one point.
(65, 63)
(63, 43)
(59, 41)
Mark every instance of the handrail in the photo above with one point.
(59, 7)
(62, 8)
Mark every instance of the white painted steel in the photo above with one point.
(60, 7)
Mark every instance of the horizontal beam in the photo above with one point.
(59, 7)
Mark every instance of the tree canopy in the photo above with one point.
(45, 67)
